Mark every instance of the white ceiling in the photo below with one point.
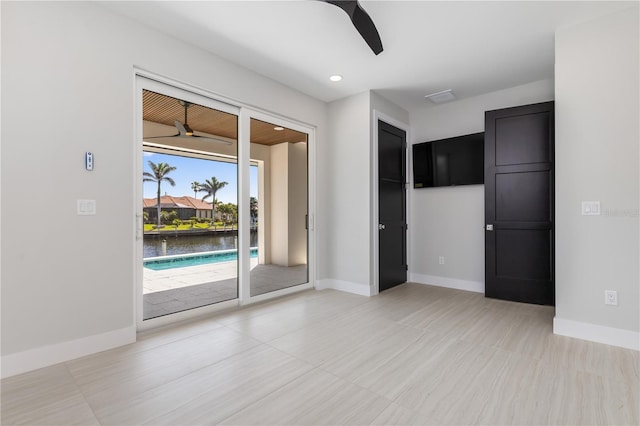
(471, 47)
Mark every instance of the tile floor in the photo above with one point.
(413, 355)
(179, 289)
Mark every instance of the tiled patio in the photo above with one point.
(179, 289)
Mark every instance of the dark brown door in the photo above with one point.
(519, 205)
(392, 228)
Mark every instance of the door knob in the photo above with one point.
(381, 226)
(489, 227)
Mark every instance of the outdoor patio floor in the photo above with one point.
(179, 289)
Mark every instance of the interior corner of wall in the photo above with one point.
(597, 333)
(345, 286)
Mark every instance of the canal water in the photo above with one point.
(187, 244)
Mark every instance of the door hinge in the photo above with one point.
(406, 267)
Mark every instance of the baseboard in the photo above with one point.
(597, 333)
(475, 286)
(346, 286)
(33, 359)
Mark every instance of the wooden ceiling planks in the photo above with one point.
(265, 134)
(166, 110)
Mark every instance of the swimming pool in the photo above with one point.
(184, 260)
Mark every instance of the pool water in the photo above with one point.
(171, 262)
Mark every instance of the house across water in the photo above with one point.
(186, 207)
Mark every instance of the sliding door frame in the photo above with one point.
(147, 80)
(246, 115)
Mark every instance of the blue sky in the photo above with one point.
(195, 169)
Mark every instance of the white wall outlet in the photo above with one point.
(611, 297)
(441, 260)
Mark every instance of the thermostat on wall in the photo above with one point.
(88, 160)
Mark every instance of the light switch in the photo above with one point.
(591, 208)
(86, 207)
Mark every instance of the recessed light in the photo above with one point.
(278, 128)
(441, 97)
(335, 77)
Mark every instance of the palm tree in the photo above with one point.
(195, 187)
(211, 186)
(225, 211)
(253, 206)
(159, 174)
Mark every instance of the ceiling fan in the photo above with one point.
(185, 131)
(362, 21)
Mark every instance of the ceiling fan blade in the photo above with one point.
(216, 140)
(156, 137)
(222, 141)
(184, 131)
(183, 134)
(362, 21)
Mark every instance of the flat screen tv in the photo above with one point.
(449, 162)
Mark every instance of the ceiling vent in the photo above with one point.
(441, 97)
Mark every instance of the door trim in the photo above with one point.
(374, 219)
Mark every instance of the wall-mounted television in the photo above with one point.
(449, 162)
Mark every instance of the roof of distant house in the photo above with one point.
(170, 202)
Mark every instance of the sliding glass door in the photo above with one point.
(279, 212)
(223, 207)
(190, 204)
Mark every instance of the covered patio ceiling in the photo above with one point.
(166, 110)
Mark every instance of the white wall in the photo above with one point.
(279, 243)
(288, 203)
(344, 203)
(297, 203)
(262, 153)
(347, 201)
(67, 88)
(597, 138)
(447, 221)
(388, 108)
